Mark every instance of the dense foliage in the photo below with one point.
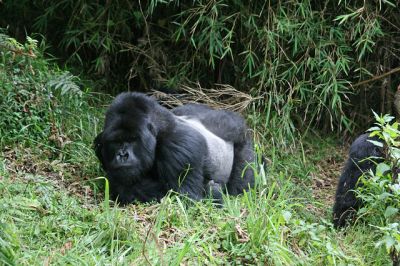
(41, 105)
(306, 58)
(381, 190)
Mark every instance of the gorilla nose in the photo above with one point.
(123, 156)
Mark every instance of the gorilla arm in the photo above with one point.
(183, 157)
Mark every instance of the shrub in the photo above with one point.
(43, 107)
(380, 191)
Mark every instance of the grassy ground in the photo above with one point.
(53, 212)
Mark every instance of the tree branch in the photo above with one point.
(397, 69)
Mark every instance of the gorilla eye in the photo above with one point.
(151, 128)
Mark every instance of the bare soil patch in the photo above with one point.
(325, 179)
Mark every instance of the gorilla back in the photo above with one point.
(147, 150)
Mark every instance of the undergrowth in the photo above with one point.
(380, 190)
(311, 63)
(44, 108)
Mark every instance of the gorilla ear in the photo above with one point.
(98, 146)
(152, 129)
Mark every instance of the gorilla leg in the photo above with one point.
(242, 176)
(362, 157)
(215, 191)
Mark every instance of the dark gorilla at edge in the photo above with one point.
(363, 156)
(147, 150)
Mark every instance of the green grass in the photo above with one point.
(46, 219)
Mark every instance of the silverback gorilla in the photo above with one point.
(363, 156)
(147, 150)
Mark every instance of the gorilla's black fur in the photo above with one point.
(363, 156)
(147, 150)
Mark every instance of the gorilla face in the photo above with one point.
(127, 155)
(126, 149)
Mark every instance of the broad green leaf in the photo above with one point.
(374, 129)
(362, 210)
(382, 168)
(377, 117)
(389, 242)
(286, 215)
(388, 118)
(376, 143)
(384, 196)
(395, 153)
(395, 188)
(375, 133)
(390, 211)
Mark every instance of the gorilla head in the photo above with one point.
(126, 147)
(146, 150)
(129, 139)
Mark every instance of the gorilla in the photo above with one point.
(363, 156)
(147, 150)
